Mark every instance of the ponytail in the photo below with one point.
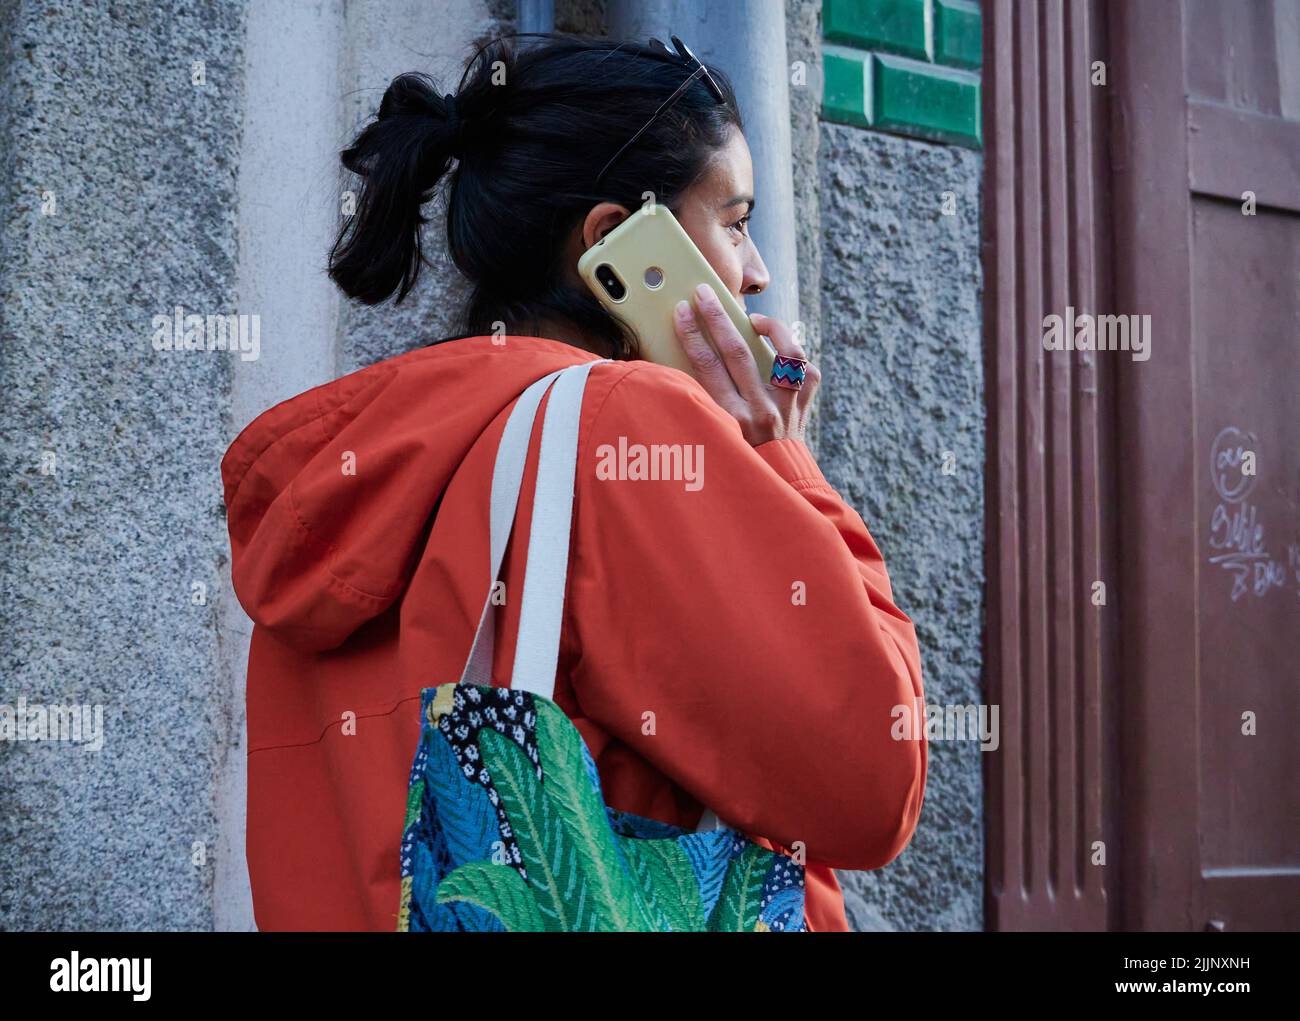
(400, 156)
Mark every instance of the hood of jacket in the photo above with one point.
(330, 495)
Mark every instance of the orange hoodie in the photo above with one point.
(729, 637)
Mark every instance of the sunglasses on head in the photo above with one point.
(684, 57)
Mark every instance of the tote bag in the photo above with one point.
(506, 827)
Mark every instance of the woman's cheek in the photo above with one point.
(725, 261)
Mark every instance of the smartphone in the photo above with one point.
(642, 268)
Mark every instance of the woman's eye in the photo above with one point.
(739, 225)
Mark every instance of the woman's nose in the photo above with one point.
(755, 279)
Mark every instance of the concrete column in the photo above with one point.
(536, 15)
(119, 148)
(748, 42)
(315, 72)
(288, 209)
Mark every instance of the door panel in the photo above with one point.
(1211, 626)
(1148, 773)
(1245, 310)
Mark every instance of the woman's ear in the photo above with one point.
(603, 218)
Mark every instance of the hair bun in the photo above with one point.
(455, 127)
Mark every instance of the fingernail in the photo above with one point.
(704, 291)
(683, 309)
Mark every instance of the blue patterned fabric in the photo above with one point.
(507, 830)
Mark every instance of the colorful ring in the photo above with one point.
(788, 372)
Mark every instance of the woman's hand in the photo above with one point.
(727, 370)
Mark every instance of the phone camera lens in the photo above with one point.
(609, 280)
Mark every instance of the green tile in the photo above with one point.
(895, 26)
(846, 93)
(957, 37)
(933, 102)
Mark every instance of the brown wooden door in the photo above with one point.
(1210, 624)
(1149, 766)
(1049, 654)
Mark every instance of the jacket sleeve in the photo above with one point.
(735, 626)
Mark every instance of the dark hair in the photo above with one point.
(531, 129)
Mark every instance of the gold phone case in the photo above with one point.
(651, 241)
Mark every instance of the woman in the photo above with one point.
(730, 642)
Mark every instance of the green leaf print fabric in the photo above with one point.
(507, 830)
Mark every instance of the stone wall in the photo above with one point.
(901, 436)
(118, 184)
(186, 155)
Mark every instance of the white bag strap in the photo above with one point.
(507, 475)
(709, 821)
(541, 614)
(551, 503)
(537, 650)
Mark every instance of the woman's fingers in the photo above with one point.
(725, 366)
(731, 346)
(778, 333)
(707, 364)
(783, 340)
